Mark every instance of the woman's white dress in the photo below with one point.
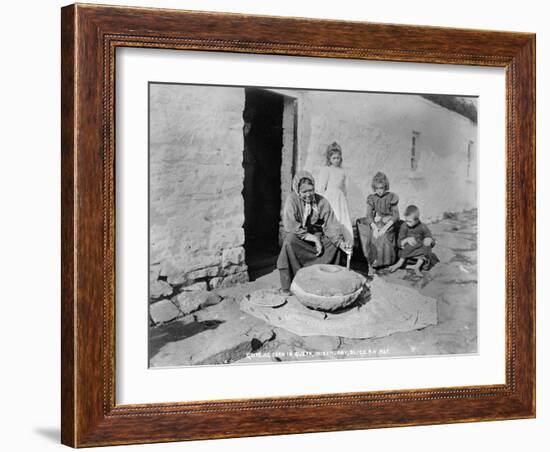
(332, 185)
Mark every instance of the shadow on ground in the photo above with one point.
(177, 331)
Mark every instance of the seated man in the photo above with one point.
(416, 243)
(313, 235)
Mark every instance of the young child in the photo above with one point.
(377, 230)
(332, 186)
(416, 243)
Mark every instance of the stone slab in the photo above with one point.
(454, 241)
(200, 286)
(218, 334)
(232, 256)
(391, 308)
(269, 281)
(459, 302)
(163, 311)
(320, 343)
(469, 255)
(154, 272)
(207, 272)
(160, 289)
(454, 272)
(444, 254)
(228, 281)
(189, 302)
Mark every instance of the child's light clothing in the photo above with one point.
(332, 185)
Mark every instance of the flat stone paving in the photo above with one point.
(224, 334)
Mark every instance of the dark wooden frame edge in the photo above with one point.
(90, 35)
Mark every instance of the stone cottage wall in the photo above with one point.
(375, 132)
(196, 174)
(287, 157)
(196, 209)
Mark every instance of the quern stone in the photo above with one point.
(327, 287)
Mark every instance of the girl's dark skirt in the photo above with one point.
(297, 253)
(379, 251)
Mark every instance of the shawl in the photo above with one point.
(310, 208)
(296, 213)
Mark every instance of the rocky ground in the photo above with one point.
(201, 327)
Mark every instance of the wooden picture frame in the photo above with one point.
(90, 35)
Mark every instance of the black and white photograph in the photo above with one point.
(295, 225)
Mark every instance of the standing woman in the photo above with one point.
(313, 235)
(377, 230)
(332, 185)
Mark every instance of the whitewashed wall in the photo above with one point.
(375, 132)
(196, 174)
(196, 208)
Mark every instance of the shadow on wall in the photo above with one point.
(465, 106)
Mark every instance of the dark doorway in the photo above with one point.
(262, 158)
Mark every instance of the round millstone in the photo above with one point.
(327, 287)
